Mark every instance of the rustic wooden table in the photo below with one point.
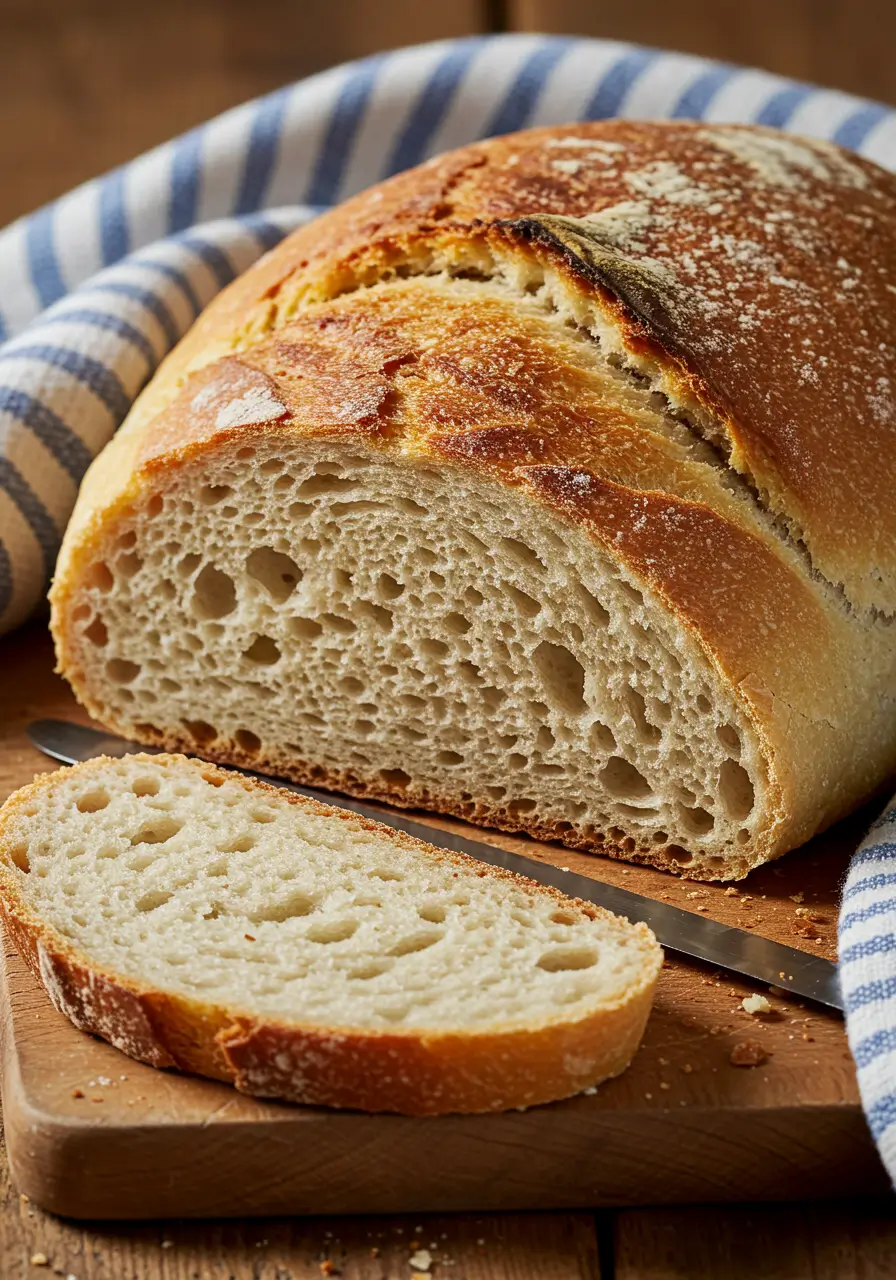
(844, 1241)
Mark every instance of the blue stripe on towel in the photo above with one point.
(522, 98)
(39, 519)
(339, 137)
(88, 372)
(43, 265)
(67, 448)
(428, 112)
(264, 142)
(616, 83)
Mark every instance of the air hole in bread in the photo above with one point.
(211, 494)
(623, 781)
(432, 913)
(18, 856)
(239, 844)
(526, 604)
(594, 610)
(378, 614)
(304, 628)
(703, 703)
(144, 786)
(562, 675)
(97, 633)
(336, 622)
(729, 738)
(100, 576)
(214, 594)
(563, 917)
(601, 738)
(415, 942)
(389, 588)
(434, 648)
(457, 624)
(201, 732)
(352, 685)
(736, 790)
(385, 873)
(410, 507)
(333, 931)
(522, 804)
(292, 907)
(154, 506)
(128, 565)
(152, 900)
(395, 778)
(319, 485)
(637, 709)
(93, 801)
(277, 572)
(157, 831)
(188, 564)
(522, 554)
(248, 741)
(696, 821)
(743, 836)
(659, 711)
(564, 958)
(682, 857)
(263, 651)
(450, 758)
(121, 670)
(374, 969)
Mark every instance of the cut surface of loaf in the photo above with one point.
(522, 488)
(200, 920)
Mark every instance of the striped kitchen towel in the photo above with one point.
(97, 287)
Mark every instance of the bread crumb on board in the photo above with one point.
(421, 1260)
(39, 1260)
(755, 1004)
(805, 929)
(748, 1053)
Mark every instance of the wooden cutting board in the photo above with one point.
(92, 1134)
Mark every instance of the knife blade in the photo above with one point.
(685, 932)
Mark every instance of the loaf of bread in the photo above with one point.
(549, 484)
(200, 920)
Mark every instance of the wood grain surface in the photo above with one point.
(844, 44)
(683, 1124)
(88, 84)
(800, 1242)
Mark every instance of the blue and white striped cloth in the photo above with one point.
(97, 287)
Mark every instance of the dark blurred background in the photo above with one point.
(87, 84)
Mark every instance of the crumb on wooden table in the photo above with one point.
(748, 1053)
(805, 929)
(755, 1004)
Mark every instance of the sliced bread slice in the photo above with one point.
(203, 921)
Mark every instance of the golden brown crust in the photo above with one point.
(410, 1072)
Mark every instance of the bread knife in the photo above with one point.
(685, 932)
